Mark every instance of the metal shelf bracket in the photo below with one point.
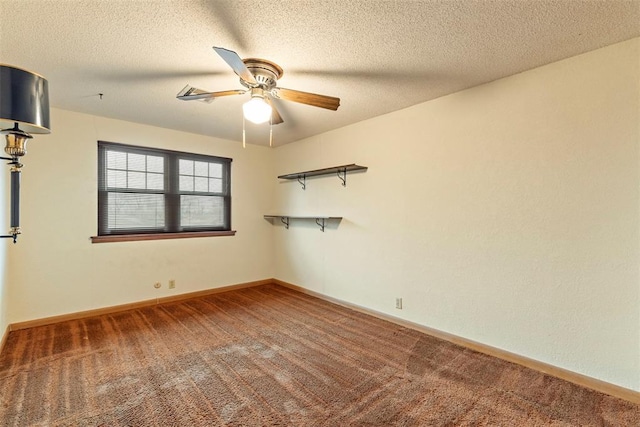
(342, 174)
(320, 222)
(303, 181)
(285, 221)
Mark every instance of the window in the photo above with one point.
(143, 191)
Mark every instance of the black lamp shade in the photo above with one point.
(24, 99)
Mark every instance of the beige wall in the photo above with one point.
(507, 214)
(55, 269)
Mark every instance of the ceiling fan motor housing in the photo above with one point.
(265, 72)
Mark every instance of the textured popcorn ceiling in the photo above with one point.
(377, 56)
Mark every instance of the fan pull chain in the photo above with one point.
(271, 131)
(244, 138)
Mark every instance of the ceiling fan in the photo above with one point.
(259, 77)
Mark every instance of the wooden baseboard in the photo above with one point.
(564, 374)
(132, 306)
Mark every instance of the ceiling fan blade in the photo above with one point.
(276, 118)
(322, 101)
(190, 93)
(235, 62)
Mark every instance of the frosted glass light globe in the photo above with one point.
(256, 110)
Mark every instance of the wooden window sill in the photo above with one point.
(159, 236)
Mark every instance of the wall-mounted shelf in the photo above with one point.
(320, 220)
(341, 171)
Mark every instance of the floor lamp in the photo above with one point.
(24, 109)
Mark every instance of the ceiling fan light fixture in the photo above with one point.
(256, 110)
(260, 78)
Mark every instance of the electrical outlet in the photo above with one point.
(157, 285)
(172, 284)
(399, 303)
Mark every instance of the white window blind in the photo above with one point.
(147, 190)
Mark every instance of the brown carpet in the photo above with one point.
(270, 356)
